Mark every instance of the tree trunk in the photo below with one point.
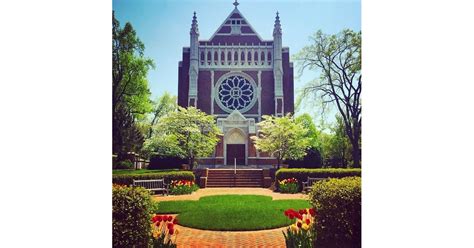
(356, 155)
(191, 163)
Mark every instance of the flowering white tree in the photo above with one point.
(282, 137)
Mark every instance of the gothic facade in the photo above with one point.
(237, 77)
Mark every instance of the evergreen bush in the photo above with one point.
(338, 212)
(131, 211)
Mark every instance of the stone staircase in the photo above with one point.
(241, 178)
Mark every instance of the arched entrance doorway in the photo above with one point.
(236, 147)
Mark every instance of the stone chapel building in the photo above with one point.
(237, 77)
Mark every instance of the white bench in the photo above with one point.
(152, 185)
(309, 183)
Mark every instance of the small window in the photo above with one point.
(233, 21)
(238, 22)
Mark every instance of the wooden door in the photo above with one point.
(236, 151)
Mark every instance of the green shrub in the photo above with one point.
(124, 164)
(127, 179)
(131, 211)
(302, 174)
(338, 212)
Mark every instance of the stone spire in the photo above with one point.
(277, 26)
(278, 67)
(236, 4)
(193, 62)
(194, 25)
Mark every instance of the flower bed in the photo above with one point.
(302, 174)
(182, 187)
(163, 230)
(289, 185)
(301, 233)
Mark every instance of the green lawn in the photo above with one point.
(232, 212)
(138, 172)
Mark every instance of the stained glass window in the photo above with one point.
(236, 92)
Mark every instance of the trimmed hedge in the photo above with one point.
(338, 212)
(302, 174)
(131, 211)
(127, 179)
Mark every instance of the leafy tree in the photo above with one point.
(282, 137)
(336, 146)
(163, 105)
(187, 133)
(338, 59)
(313, 158)
(130, 92)
(127, 137)
(312, 132)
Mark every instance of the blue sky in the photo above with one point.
(163, 26)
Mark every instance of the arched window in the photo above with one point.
(222, 57)
(255, 58)
(209, 58)
(269, 58)
(249, 57)
(202, 58)
(242, 58)
(236, 58)
(216, 57)
(229, 58)
(262, 57)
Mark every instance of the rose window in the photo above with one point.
(236, 92)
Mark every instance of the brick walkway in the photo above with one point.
(190, 237)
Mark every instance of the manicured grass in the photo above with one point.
(232, 212)
(138, 172)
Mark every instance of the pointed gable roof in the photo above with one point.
(235, 116)
(247, 34)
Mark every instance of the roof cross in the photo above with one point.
(235, 3)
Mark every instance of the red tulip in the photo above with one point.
(175, 221)
(170, 218)
(299, 224)
(301, 211)
(312, 211)
(299, 216)
(291, 216)
(307, 221)
(170, 225)
(171, 231)
(165, 218)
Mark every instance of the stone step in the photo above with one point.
(238, 186)
(232, 180)
(232, 173)
(238, 176)
(234, 185)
